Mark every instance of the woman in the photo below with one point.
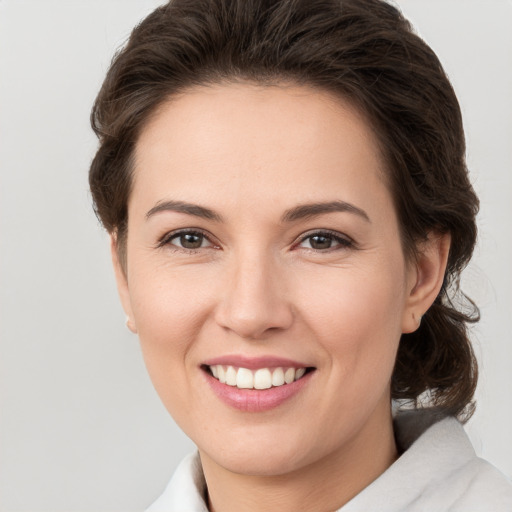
(286, 191)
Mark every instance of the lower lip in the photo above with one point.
(256, 400)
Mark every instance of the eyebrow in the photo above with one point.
(183, 207)
(313, 209)
(293, 214)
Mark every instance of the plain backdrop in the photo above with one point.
(81, 428)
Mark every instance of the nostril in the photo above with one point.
(256, 320)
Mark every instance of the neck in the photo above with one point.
(326, 484)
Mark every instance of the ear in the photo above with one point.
(122, 284)
(425, 278)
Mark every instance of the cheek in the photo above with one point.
(169, 311)
(169, 307)
(357, 320)
(354, 298)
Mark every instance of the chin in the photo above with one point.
(260, 456)
(258, 464)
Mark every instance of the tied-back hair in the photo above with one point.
(365, 52)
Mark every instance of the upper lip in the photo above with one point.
(253, 363)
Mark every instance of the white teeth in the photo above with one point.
(244, 379)
(289, 375)
(263, 378)
(278, 377)
(231, 376)
(300, 373)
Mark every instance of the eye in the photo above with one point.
(324, 240)
(186, 239)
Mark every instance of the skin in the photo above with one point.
(260, 285)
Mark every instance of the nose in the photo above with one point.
(254, 301)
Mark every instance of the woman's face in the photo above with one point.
(262, 237)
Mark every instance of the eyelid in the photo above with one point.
(344, 240)
(165, 240)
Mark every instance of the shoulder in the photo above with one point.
(480, 486)
(438, 470)
(475, 485)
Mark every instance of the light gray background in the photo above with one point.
(81, 428)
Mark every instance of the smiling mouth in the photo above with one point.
(261, 378)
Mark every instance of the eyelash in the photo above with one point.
(342, 241)
(167, 239)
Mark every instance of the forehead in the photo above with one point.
(281, 142)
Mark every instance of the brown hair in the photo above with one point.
(362, 50)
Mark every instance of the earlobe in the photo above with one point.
(131, 325)
(122, 284)
(426, 279)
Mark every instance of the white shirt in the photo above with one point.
(438, 472)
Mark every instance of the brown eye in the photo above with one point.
(324, 241)
(189, 240)
(320, 242)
